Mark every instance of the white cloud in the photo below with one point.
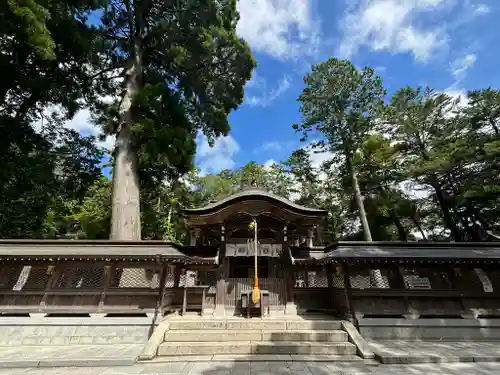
(283, 29)
(458, 70)
(481, 9)
(267, 98)
(256, 82)
(269, 163)
(460, 66)
(81, 123)
(392, 25)
(218, 157)
(458, 94)
(318, 158)
(271, 146)
(275, 146)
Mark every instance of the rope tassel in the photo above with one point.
(255, 291)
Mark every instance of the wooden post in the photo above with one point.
(184, 295)
(163, 285)
(203, 296)
(109, 271)
(329, 277)
(290, 307)
(220, 290)
(177, 276)
(54, 274)
(347, 285)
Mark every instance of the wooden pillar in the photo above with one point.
(177, 275)
(220, 290)
(329, 277)
(54, 273)
(109, 271)
(184, 291)
(163, 284)
(290, 307)
(347, 285)
(310, 237)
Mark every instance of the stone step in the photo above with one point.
(248, 347)
(314, 325)
(255, 335)
(258, 358)
(256, 325)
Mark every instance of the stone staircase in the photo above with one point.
(256, 337)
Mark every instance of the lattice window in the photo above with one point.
(81, 277)
(300, 279)
(9, 276)
(207, 277)
(426, 278)
(34, 277)
(311, 279)
(188, 279)
(170, 280)
(200, 277)
(317, 279)
(369, 278)
(337, 277)
(137, 278)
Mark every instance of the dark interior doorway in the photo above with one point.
(243, 267)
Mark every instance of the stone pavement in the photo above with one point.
(392, 351)
(69, 355)
(268, 368)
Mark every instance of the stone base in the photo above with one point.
(291, 308)
(219, 311)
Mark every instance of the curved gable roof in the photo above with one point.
(253, 194)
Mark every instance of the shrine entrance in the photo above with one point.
(249, 227)
(239, 266)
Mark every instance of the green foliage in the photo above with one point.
(91, 218)
(339, 102)
(34, 17)
(191, 68)
(193, 72)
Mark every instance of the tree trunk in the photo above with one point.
(403, 236)
(359, 200)
(126, 212)
(375, 275)
(447, 215)
(416, 221)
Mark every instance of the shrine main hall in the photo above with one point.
(254, 277)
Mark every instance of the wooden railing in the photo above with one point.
(149, 287)
(94, 287)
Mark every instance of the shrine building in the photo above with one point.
(256, 256)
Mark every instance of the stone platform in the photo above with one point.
(72, 341)
(406, 352)
(285, 338)
(269, 368)
(69, 355)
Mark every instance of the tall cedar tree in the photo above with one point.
(183, 71)
(339, 102)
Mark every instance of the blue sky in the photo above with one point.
(446, 44)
